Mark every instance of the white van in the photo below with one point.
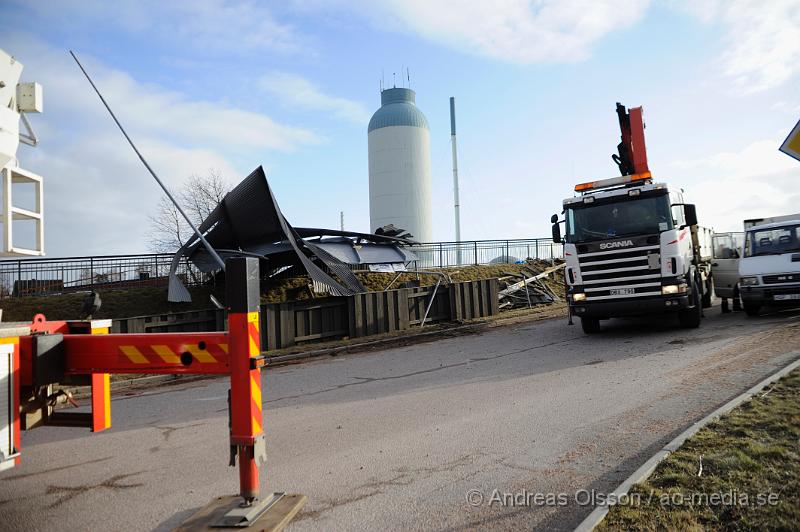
(769, 269)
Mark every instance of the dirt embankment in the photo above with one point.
(146, 301)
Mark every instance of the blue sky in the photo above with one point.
(291, 85)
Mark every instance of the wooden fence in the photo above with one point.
(317, 320)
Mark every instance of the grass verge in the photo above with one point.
(750, 477)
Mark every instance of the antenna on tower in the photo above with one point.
(408, 76)
(394, 79)
(382, 80)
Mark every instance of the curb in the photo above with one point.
(647, 468)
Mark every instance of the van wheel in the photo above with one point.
(590, 325)
(689, 318)
(751, 309)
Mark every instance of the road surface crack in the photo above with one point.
(46, 471)
(166, 431)
(70, 492)
(367, 380)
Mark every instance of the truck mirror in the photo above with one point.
(690, 213)
(554, 219)
(556, 233)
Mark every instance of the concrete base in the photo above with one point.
(274, 519)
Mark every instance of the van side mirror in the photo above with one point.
(690, 213)
(556, 233)
(554, 219)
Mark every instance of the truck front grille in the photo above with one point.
(629, 273)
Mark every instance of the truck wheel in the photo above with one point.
(689, 318)
(751, 309)
(590, 325)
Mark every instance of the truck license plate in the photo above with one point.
(622, 291)
(785, 297)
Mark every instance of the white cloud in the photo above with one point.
(786, 107)
(756, 181)
(298, 92)
(762, 42)
(521, 31)
(97, 194)
(209, 25)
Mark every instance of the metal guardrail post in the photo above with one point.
(475, 246)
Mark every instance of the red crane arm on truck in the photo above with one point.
(632, 157)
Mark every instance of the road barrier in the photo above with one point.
(44, 355)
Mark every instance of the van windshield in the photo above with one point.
(774, 241)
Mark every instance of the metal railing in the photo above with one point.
(474, 252)
(40, 276)
(44, 276)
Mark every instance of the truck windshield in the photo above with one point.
(774, 241)
(626, 217)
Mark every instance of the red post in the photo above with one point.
(247, 436)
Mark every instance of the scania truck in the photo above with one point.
(632, 246)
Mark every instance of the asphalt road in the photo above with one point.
(398, 438)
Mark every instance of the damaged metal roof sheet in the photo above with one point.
(249, 221)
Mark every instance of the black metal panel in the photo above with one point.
(242, 288)
(48, 359)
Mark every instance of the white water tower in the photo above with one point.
(400, 165)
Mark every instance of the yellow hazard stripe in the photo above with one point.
(166, 354)
(100, 330)
(252, 319)
(133, 354)
(201, 355)
(224, 348)
(10, 340)
(255, 393)
(107, 400)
